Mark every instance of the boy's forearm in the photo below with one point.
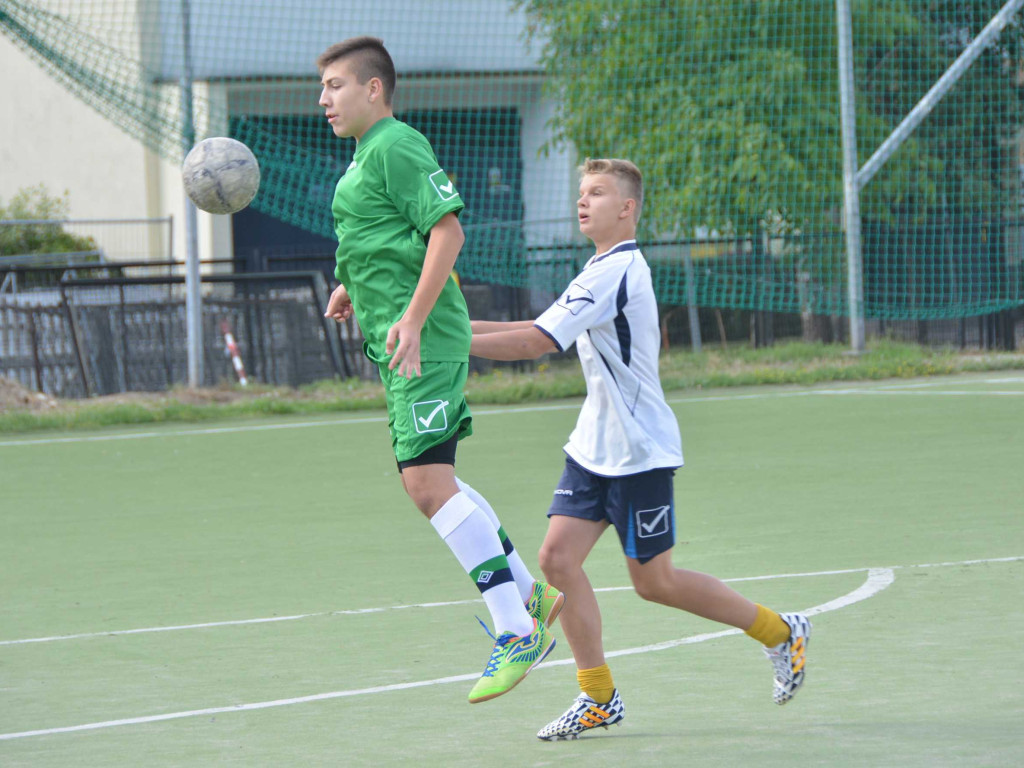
(495, 326)
(442, 251)
(523, 344)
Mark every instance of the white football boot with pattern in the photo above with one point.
(584, 715)
(790, 657)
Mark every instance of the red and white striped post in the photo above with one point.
(232, 349)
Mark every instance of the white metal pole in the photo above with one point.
(193, 296)
(851, 191)
(691, 300)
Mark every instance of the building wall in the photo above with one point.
(49, 136)
(54, 138)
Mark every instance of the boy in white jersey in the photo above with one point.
(622, 455)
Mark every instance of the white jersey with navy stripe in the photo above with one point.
(609, 310)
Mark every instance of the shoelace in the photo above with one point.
(498, 651)
(782, 662)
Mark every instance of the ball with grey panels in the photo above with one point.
(221, 175)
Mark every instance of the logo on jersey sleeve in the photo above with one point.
(430, 416)
(576, 298)
(444, 186)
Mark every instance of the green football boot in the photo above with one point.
(511, 660)
(545, 603)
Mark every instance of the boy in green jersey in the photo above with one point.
(395, 215)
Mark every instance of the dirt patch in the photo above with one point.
(204, 396)
(14, 397)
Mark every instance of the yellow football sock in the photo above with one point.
(597, 683)
(768, 628)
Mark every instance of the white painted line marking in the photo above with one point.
(239, 622)
(877, 580)
(930, 393)
(360, 611)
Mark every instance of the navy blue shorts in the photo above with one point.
(640, 506)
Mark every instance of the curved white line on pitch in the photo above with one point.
(877, 580)
(361, 611)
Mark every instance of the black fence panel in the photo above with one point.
(104, 335)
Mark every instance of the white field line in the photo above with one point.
(350, 612)
(943, 381)
(920, 393)
(360, 611)
(877, 580)
(874, 389)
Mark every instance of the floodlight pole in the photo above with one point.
(851, 190)
(193, 296)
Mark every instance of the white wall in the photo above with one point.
(465, 36)
(52, 137)
(49, 136)
(549, 209)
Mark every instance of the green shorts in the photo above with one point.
(427, 410)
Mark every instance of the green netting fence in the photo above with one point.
(730, 108)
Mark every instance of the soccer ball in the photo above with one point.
(221, 175)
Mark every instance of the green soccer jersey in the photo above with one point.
(384, 206)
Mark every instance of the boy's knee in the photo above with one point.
(553, 561)
(648, 589)
(428, 497)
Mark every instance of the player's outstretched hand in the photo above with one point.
(407, 353)
(339, 306)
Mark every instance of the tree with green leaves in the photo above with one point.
(732, 110)
(37, 204)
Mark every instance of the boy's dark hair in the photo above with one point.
(369, 59)
(624, 172)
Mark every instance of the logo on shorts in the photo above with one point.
(576, 298)
(430, 416)
(444, 186)
(563, 492)
(484, 577)
(652, 522)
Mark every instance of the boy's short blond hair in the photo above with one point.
(626, 173)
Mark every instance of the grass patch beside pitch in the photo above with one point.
(785, 363)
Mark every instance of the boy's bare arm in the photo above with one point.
(494, 326)
(446, 239)
(521, 344)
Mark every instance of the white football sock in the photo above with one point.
(524, 580)
(473, 540)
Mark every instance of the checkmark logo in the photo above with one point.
(652, 522)
(425, 416)
(576, 298)
(444, 186)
